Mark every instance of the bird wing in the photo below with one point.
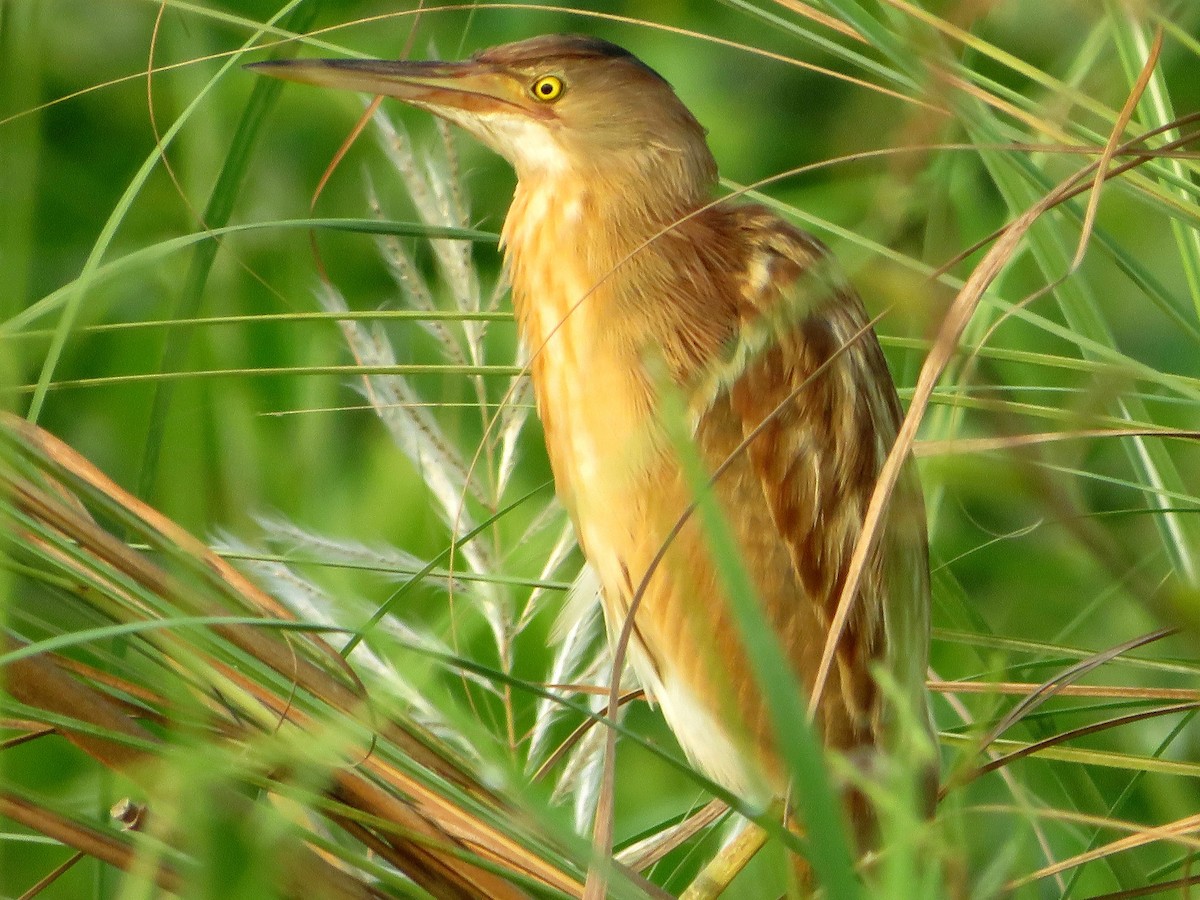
(807, 383)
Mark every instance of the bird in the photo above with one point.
(633, 280)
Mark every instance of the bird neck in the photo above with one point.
(592, 225)
(640, 266)
(628, 204)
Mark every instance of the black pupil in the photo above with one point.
(547, 88)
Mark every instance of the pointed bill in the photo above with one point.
(471, 86)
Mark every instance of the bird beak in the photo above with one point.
(473, 87)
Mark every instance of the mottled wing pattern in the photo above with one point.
(811, 388)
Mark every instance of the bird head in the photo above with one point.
(556, 105)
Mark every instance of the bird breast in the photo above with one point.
(593, 395)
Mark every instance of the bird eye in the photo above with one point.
(548, 88)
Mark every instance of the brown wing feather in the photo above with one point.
(815, 392)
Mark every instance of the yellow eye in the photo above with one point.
(548, 88)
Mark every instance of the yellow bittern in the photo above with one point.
(627, 276)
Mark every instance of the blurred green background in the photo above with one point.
(1013, 564)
